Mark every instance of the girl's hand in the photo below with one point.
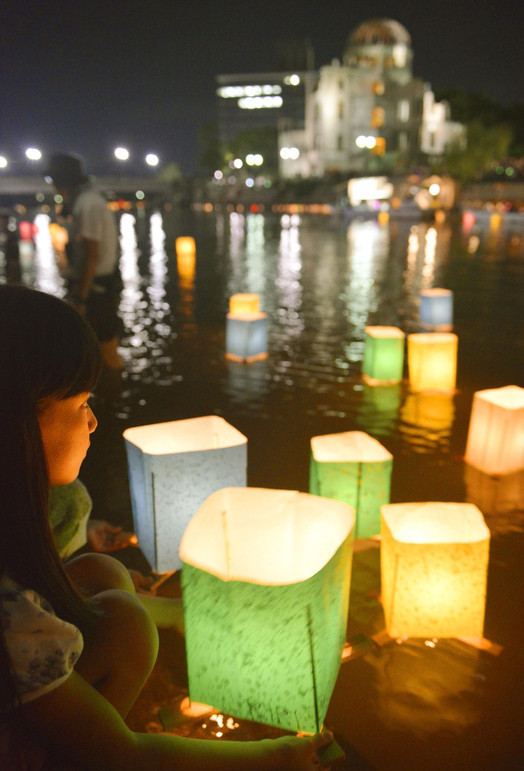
(299, 753)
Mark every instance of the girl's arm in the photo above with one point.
(80, 726)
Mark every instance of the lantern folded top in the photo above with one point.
(511, 397)
(263, 536)
(348, 446)
(435, 522)
(191, 435)
(384, 332)
(244, 303)
(436, 292)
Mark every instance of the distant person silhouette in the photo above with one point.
(91, 252)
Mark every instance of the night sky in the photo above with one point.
(87, 75)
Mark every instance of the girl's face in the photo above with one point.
(65, 425)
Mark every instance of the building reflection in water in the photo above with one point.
(47, 275)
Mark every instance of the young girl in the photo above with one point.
(68, 673)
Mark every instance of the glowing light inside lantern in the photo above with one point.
(244, 303)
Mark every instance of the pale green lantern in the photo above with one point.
(352, 467)
(265, 583)
(383, 355)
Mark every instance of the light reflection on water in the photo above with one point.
(320, 281)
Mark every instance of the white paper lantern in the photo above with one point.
(173, 467)
(436, 309)
(434, 562)
(495, 442)
(246, 337)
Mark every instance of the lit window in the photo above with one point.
(378, 88)
(403, 110)
(378, 117)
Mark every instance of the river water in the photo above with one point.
(321, 279)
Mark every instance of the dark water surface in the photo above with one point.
(321, 280)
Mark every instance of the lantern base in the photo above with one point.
(436, 327)
(373, 381)
(248, 360)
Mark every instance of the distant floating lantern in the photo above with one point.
(495, 442)
(186, 258)
(265, 586)
(246, 329)
(436, 309)
(383, 355)
(185, 245)
(432, 361)
(434, 562)
(355, 468)
(244, 303)
(173, 467)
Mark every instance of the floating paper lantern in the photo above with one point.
(173, 467)
(432, 361)
(244, 303)
(495, 441)
(436, 309)
(265, 585)
(354, 468)
(186, 258)
(383, 355)
(434, 562)
(185, 245)
(246, 337)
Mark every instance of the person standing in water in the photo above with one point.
(92, 251)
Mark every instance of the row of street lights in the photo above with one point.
(121, 153)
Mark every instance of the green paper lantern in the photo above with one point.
(355, 468)
(383, 355)
(265, 582)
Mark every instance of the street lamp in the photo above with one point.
(33, 154)
(3, 162)
(121, 153)
(152, 159)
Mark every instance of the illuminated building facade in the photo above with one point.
(351, 115)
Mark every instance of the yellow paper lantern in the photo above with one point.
(495, 442)
(173, 467)
(185, 245)
(383, 355)
(432, 361)
(243, 304)
(352, 467)
(265, 584)
(434, 562)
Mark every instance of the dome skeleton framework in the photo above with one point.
(379, 32)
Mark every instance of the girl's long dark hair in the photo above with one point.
(46, 349)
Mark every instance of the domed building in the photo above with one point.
(365, 113)
(368, 112)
